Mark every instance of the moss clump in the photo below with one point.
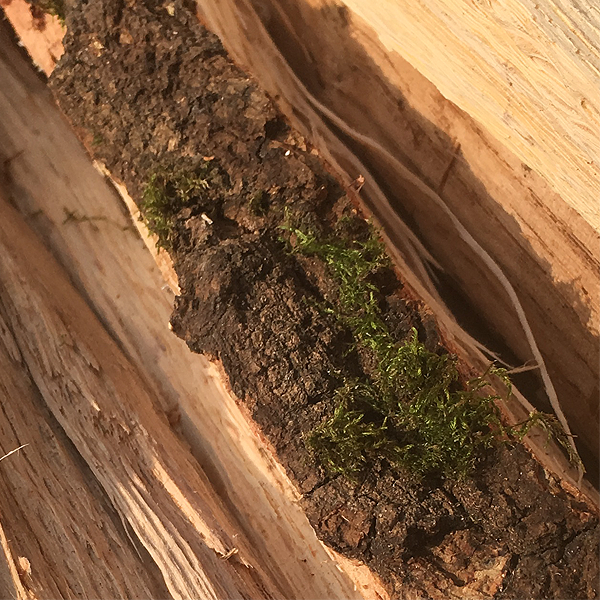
(346, 442)
(56, 8)
(412, 410)
(259, 204)
(165, 194)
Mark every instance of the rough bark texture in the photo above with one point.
(58, 532)
(430, 167)
(147, 87)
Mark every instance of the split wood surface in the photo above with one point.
(527, 70)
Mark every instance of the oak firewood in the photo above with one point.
(52, 509)
(106, 409)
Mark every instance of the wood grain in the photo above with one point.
(107, 412)
(528, 71)
(52, 509)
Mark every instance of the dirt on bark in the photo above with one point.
(147, 88)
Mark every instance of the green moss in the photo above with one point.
(165, 194)
(412, 412)
(259, 204)
(346, 442)
(413, 409)
(98, 139)
(56, 8)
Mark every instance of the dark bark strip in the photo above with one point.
(147, 87)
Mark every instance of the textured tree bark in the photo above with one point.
(200, 529)
(93, 484)
(477, 158)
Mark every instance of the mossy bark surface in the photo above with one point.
(148, 89)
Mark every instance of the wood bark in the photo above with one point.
(512, 259)
(526, 71)
(101, 364)
(110, 388)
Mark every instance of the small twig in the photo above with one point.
(229, 554)
(357, 184)
(73, 216)
(523, 368)
(13, 451)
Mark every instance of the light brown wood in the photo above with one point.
(10, 580)
(527, 70)
(43, 39)
(106, 410)
(52, 510)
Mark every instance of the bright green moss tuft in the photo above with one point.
(413, 410)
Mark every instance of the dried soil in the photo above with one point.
(147, 87)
